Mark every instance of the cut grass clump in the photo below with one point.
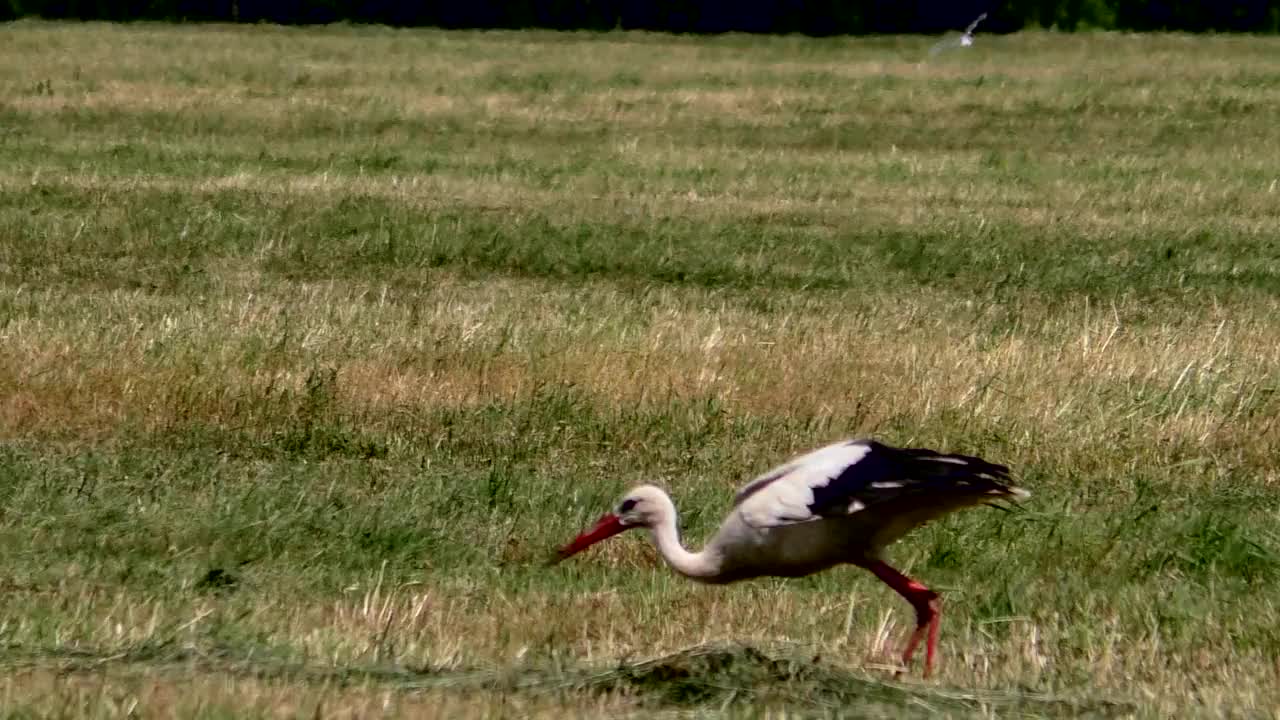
(727, 675)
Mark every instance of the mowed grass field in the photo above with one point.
(314, 343)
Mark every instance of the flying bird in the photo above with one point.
(841, 504)
(965, 40)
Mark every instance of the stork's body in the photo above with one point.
(841, 504)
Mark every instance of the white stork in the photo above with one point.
(844, 503)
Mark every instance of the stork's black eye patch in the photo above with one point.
(626, 506)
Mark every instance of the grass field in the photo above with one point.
(314, 343)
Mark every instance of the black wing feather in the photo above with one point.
(856, 475)
(887, 473)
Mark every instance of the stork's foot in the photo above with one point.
(928, 607)
(928, 616)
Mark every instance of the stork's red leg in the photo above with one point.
(927, 607)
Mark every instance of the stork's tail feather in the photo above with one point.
(964, 473)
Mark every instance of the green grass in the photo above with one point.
(315, 343)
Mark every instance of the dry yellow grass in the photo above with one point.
(303, 372)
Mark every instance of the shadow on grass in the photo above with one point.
(706, 676)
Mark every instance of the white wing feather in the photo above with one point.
(783, 495)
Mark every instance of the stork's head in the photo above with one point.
(642, 507)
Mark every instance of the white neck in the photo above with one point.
(703, 565)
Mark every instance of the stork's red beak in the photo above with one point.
(605, 528)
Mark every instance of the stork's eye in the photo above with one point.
(626, 506)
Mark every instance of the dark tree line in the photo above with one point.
(813, 17)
